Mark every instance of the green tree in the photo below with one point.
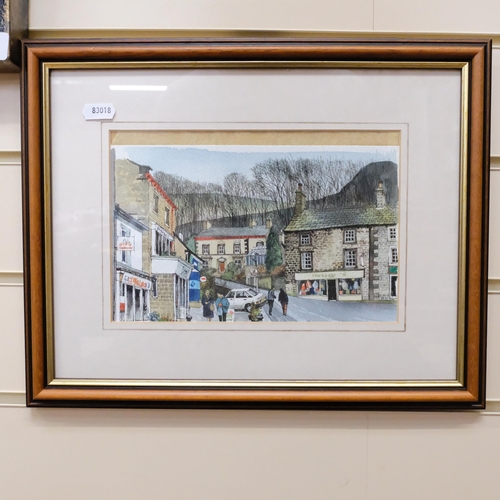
(273, 251)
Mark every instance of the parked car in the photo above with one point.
(243, 298)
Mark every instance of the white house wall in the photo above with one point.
(136, 254)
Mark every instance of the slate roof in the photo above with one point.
(221, 232)
(311, 219)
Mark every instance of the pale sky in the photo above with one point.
(213, 163)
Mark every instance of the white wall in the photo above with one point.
(77, 454)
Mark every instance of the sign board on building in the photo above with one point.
(130, 279)
(329, 275)
(125, 243)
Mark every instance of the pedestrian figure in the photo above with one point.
(283, 300)
(270, 300)
(222, 306)
(208, 305)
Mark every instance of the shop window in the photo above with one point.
(350, 236)
(305, 239)
(350, 258)
(306, 260)
(349, 286)
(312, 287)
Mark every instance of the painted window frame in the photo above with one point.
(306, 256)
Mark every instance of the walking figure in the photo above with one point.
(283, 300)
(222, 306)
(270, 300)
(208, 305)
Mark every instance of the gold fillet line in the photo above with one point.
(462, 243)
(49, 334)
(257, 64)
(48, 67)
(254, 384)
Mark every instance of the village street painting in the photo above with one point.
(207, 233)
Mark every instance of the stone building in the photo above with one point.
(218, 246)
(344, 253)
(138, 193)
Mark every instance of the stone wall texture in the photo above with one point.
(328, 248)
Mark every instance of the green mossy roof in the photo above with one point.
(344, 217)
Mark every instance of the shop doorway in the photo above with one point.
(138, 303)
(394, 286)
(332, 289)
(130, 303)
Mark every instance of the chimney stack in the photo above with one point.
(381, 200)
(206, 225)
(300, 200)
(269, 223)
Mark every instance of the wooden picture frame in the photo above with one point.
(70, 362)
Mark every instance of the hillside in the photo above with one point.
(361, 189)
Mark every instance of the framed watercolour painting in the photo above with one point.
(256, 223)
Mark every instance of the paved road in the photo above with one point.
(303, 309)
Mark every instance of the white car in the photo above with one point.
(243, 298)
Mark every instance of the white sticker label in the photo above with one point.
(99, 111)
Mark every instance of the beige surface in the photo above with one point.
(495, 104)
(432, 456)
(494, 265)
(493, 366)
(11, 256)
(11, 339)
(111, 454)
(65, 454)
(10, 117)
(453, 16)
(355, 15)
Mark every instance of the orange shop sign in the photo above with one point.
(130, 279)
(125, 243)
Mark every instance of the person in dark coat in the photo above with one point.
(283, 300)
(208, 305)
